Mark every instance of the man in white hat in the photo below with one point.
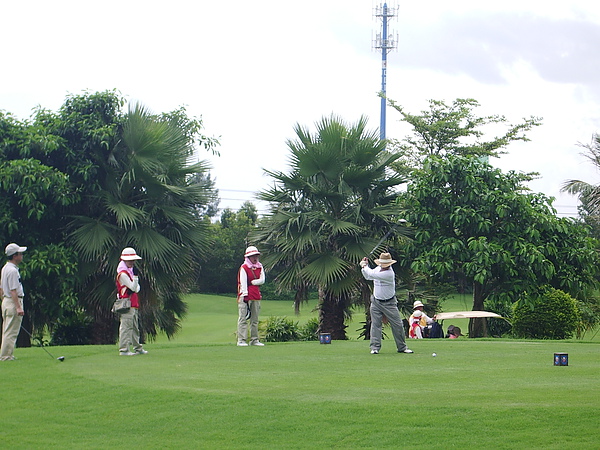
(128, 286)
(384, 302)
(12, 300)
(250, 276)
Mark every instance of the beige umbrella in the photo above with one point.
(466, 315)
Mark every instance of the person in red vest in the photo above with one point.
(128, 286)
(250, 276)
(415, 330)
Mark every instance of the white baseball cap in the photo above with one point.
(13, 248)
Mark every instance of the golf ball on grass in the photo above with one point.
(434, 354)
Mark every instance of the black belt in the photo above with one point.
(386, 300)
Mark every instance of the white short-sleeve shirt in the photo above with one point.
(11, 279)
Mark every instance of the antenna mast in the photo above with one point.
(385, 42)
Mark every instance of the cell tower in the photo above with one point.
(386, 42)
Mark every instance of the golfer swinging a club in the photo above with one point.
(384, 302)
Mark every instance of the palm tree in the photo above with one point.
(148, 198)
(328, 213)
(589, 194)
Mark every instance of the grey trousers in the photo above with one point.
(129, 331)
(242, 331)
(388, 309)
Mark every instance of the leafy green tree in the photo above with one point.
(210, 209)
(589, 194)
(552, 314)
(454, 129)
(327, 213)
(589, 212)
(33, 197)
(590, 315)
(249, 209)
(85, 182)
(476, 223)
(147, 199)
(220, 264)
(50, 275)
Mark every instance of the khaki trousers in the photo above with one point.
(11, 325)
(242, 331)
(129, 331)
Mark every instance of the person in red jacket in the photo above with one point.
(250, 276)
(128, 286)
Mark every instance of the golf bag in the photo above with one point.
(435, 331)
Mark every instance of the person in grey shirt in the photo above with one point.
(11, 290)
(384, 302)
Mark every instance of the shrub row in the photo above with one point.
(282, 329)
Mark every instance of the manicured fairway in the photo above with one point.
(201, 391)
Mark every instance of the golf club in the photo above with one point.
(60, 358)
(391, 230)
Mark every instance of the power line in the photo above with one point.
(237, 190)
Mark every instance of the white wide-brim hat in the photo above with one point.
(129, 254)
(252, 250)
(385, 260)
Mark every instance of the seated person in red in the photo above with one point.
(415, 330)
(424, 320)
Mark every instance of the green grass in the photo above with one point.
(201, 391)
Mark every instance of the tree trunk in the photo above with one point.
(300, 297)
(365, 297)
(332, 315)
(478, 326)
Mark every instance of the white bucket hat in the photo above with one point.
(129, 254)
(418, 303)
(252, 250)
(13, 248)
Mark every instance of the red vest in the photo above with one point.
(251, 274)
(124, 292)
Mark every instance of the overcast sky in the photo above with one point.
(252, 69)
